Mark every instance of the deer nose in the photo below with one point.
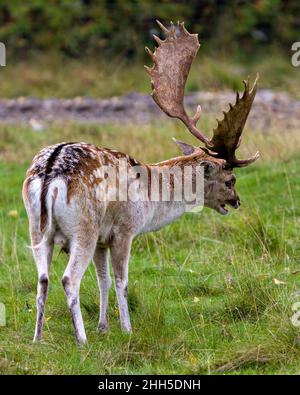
(235, 203)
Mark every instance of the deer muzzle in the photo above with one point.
(235, 203)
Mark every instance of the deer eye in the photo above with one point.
(228, 184)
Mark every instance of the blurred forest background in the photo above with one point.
(77, 27)
(54, 39)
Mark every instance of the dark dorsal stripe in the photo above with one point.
(45, 183)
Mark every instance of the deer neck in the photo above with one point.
(164, 210)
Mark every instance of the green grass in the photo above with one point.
(202, 293)
(52, 75)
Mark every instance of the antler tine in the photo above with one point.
(172, 62)
(149, 70)
(163, 28)
(191, 122)
(246, 162)
(151, 54)
(157, 39)
(182, 28)
(197, 115)
(172, 31)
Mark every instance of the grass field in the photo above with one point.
(208, 294)
(53, 75)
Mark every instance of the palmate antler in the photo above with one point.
(227, 135)
(172, 62)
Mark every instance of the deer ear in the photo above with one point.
(210, 168)
(187, 149)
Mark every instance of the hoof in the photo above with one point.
(102, 328)
(126, 330)
(81, 342)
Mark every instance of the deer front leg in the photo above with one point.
(104, 282)
(120, 253)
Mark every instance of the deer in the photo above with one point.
(68, 204)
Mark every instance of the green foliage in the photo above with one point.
(124, 26)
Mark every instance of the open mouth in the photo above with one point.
(222, 209)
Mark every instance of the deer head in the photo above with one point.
(172, 62)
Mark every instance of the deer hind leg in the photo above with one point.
(81, 255)
(104, 281)
(120, 254)
(42, 256)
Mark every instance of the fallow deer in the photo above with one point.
(68, 204)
